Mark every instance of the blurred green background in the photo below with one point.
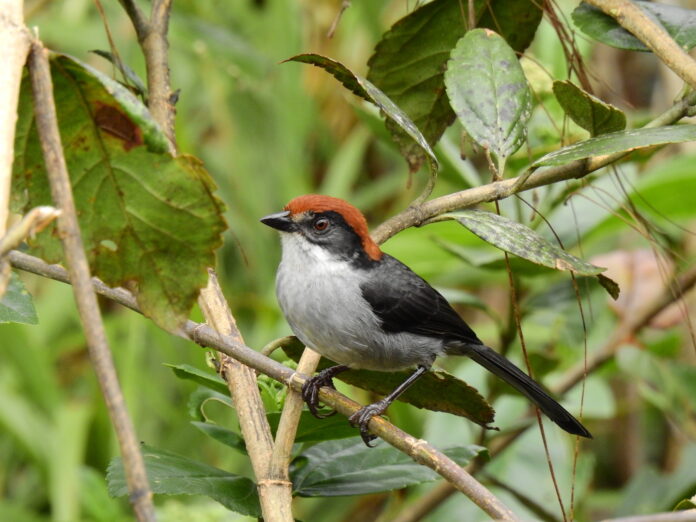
(269, 131)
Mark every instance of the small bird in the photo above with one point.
(346, 299)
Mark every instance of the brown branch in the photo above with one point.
(632, 18)
(419, 450)
(88, 308)
(416, 215)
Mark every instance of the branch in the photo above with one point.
(418, 214)
(88, 308)
(633, 19)
(419, 450)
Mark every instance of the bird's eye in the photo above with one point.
(321, 224)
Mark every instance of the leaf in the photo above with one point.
(622, 141)
(172, 474)
(678, 22)
(590, 113)
(200, 397)
(149, 222)
(366, 90)
(312, 429)
(207, 379)
(489, 92)
(409, 62)
(348, 467)
(128, 73)
(220, 434)
(435, 391)
(16, 306)
(609, 285)
(522, 241)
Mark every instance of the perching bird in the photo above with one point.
(346, 299)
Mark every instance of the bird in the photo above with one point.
(346, 299)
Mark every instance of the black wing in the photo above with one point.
(405, 302)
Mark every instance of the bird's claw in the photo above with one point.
(361, 418)
(310, 394)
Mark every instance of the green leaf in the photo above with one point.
(489, 92)
(366, 90)
(522, 241)
(678, 22)
(409, 62)
(172, 474)
(207, 379)
(435, 391)
(150, 222)
(200, 397)
(16, 306)
(128, 73)
(220, 434)
(312, 429)
(591, 113)
(348, 467)
(622, 141)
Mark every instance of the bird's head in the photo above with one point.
(331, 224)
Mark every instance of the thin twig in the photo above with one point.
(420, 450)
(88, 308)
(632, 18)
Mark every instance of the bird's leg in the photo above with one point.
(310, 389)
(361, 418)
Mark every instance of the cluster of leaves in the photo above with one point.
(329, 459)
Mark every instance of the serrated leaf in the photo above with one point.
(172, 474)
(489, 92)
(436, 390)
(17, 306)
(590, 113)
(207, 379)
(409, 61)
(223, 435)
(366, 90)
(622, 141)
(678, 22)
(312, 429)
(348, 467)
(149, 222)
(522, 241)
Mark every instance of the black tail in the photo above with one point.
(511, 374)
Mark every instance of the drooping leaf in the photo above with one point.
(522, 241)
(172, 474)
(312, 429)
(348, 467)
(622, 141)
(16, 306)
(220, 434)
(207, 379)
(436, 390)
(489, 92)
(366, 90)
(680, 24)
(149, 221)
(591, 113)
(409, 62)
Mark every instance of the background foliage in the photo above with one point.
(267, 132)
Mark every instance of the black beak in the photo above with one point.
(280, 221)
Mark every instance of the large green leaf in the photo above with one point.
(622, 141)
(522, 241)
(16, 305)
(436, 390)
(680, 24)
(366, 90)
(149, 221)
(348, 467)
(172, 474)
(489, 92)
(409, 62)
(591, 113)
(312, 429)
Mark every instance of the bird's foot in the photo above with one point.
(361, 418)
(310, 392)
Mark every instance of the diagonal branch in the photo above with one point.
(88, 308)
(419, 450)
